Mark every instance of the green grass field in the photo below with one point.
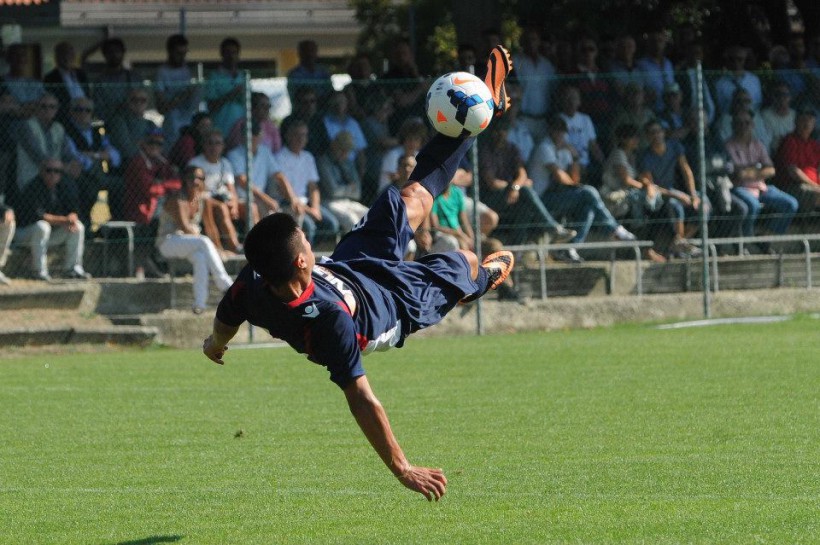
(623, 435)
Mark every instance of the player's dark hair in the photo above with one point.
(272, 247)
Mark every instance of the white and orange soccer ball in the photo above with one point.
(459, 104)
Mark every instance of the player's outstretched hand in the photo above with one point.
(213, 352)
(429, 482)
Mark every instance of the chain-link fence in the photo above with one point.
(578, 158)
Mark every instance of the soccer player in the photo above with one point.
(365, 297)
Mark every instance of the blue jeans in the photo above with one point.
(583, 205)
(328, 226)
(781, 205)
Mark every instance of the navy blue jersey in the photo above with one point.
(363, 299)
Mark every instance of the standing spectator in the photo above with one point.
(362, 87)
(466, 56)
(147, 177)
(664, 162)
(176, 97)
(582, 133)
(309, 73)
(798, 161)
(338, 120)
(179, 236)
(7, 227)
(113, 85)
(260, 115)
(412, 135)
(299, 167)
(778, 118)
(66, 81)
(50, 219)
(556, 179)
(406, 85)
(191, 141)
(742, 102)
(625, 193)
(596, 91)
(225, 88)
(26, 91)
(795, 76)
(507, 189)
(340, 183)
(98, 158)
(41, 137)
(535, 74)
(752, 167)
(305, 108)
(128, 125)
(221, 203)
(623, 67)
(269, 185)
(672, 117)
(688, 81)
(737, 77)
(656, 68)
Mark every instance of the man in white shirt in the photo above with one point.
(581, 131)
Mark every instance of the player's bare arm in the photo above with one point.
(372, 419)
(217, 343)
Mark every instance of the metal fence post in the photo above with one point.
(704, 223)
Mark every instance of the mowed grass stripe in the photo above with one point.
(622, 435)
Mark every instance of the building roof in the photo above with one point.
(22, 2)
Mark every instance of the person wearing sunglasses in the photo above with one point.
(49, 218)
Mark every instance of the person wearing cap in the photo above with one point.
(339, 182)
(672, 117)
(798, 160)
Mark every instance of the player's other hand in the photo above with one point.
(213, 352)
(429, 482)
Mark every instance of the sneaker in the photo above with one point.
(569, 256)
(76, 273)
(498, 267)
(499, 66)
(682, 249)
(561, 234)
(40, 276)
(4, 280)
(620, 233)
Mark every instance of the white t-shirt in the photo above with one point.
(218, 175)
(580, 132)
(263, 166)
(299, 168)
(546, 154)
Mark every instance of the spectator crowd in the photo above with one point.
(602, 140)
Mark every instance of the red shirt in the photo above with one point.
(146, 181)
(804, 154)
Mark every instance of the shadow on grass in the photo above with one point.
(152, 540)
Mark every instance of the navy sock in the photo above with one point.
(483, 282)
(437, 162)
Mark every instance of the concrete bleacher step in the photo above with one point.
(47, 335)
(39, 295)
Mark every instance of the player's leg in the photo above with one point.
(437, 162)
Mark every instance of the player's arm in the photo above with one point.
(217, 343)
(372, 419)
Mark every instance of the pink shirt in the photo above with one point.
(746, 155)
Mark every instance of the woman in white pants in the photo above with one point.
(178, 236)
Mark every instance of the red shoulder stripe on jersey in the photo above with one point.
(343, 306)
(236, 288)
(362, 340)
(304, 297)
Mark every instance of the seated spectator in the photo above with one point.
(7, 227)
(337, 120)
(794, 69)
(339, 182)
(309, 73)
(50, 219)
(519, 132)
(626, 194)
(412, 135)
(127, 126)
(778, 118)
(741, 101)
(113, 85)
(557, 180)
(406, 85)
(672, 117)
(798, 160)
(221, 204)
(66, 82)
(268, 182)
(633, 111)
(688, 81)
(737, 78)
(26, 91)
(191, 140)
(225, 88)
(10, 129)
(507, 189)
(179, 236)
(582, 133)
(147, 177)
(260, 115)
(42, 137)
(176, 97)
(664, 163)
(299, 167)
(752, 167)
(98, 158)
(379, 141)
(656, 68)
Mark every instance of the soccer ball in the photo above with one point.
(459, 104)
